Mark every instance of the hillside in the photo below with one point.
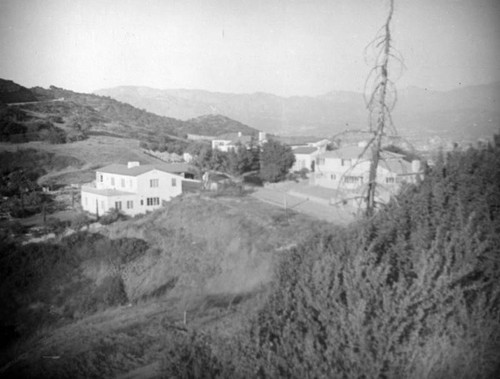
(215, 124)
(131, 116)
(463, 114)
(11, 92)
(112, 302)
(62, 115)
(228, 287)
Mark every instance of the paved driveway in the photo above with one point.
(279, 196)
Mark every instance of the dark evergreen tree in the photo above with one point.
(276, 159)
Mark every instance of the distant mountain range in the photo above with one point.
(463, 114)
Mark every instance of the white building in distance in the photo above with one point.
(348, 168)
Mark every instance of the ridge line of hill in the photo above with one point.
(98, 114)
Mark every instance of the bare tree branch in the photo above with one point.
(379, 105)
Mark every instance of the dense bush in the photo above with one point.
(164, 144)
(19, 173)
(108, 293)
(411, 293)
(47, 282)
(111, 216)
(190, 356)
(276, 160)
(79, 221)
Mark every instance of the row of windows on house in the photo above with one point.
(150, 201)
(153, 183)
(359, 179)
(343, 162)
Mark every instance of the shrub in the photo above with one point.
(190, 356)
(110, 292)
(54, 225)
(410, 293)
(303, 173)
(275, 161)
(80, 220)
(407, 294)
(112, 216)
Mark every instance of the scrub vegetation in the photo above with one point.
(229, 287)
(110, 302)
(410, 293)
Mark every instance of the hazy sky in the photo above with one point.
(286, 47)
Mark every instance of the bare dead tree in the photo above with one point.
(380, 101)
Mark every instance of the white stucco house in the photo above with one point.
(348, 169)
(133, 188)
(230, 141)
(305, 157)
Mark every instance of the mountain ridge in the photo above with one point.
(417, 110)
(72, 115)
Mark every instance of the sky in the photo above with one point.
(285, 47)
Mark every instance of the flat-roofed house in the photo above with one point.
(133, 188)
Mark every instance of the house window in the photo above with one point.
(320, 161)
(174, 182)
(130, 204)
(142, 202)
(345, 162)
(123, 183)
(130, 183)
(153, 201)
(118, 205)
(333, 177)
(153, 183)
(390, 180)
(112, 181)
(101, 178)
(353, 179)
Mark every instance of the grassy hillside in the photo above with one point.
(109, 303)
(11, 92)
(93, 152)
(65, 116)
(145, 123)
(213, 125)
